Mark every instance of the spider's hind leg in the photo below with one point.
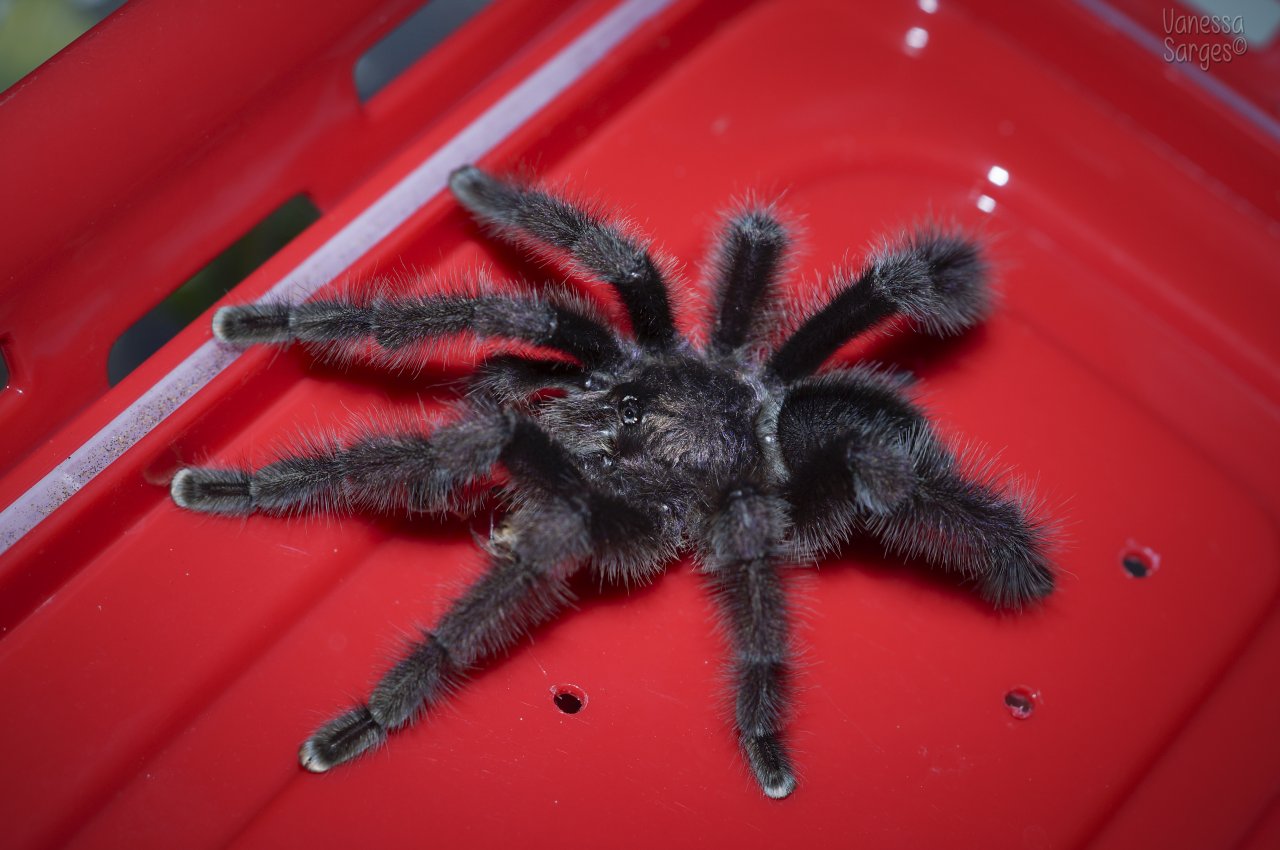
(741, 546)
(524, 585)
(539, 546)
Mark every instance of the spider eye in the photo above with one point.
(629, 410)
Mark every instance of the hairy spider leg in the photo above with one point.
(749, 257)
(537, 219)
(398, 322)
(741, 547)
(404, 470)
(960, 516)
(538, 547)
(509, 378)
(869, 461)
(934, 277)
(523, 586)
(843, 436)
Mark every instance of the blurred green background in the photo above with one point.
(33, 30)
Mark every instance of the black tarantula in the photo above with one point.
(621, 451)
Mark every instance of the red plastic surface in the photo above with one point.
(160, 667)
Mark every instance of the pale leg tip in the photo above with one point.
(770, 764)
(781, 788)
(472, 187)
(462, 173)
(179, 488)
(311, 759)
(222, 323)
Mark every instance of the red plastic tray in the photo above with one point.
(160, 668)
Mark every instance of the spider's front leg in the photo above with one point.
(740, 550)
(562, 521)
(397, 323)
(598, 247)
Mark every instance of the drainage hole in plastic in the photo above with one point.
(1021, 702)
(1139, 561)
(570, 699)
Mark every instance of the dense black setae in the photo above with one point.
(621, 451)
